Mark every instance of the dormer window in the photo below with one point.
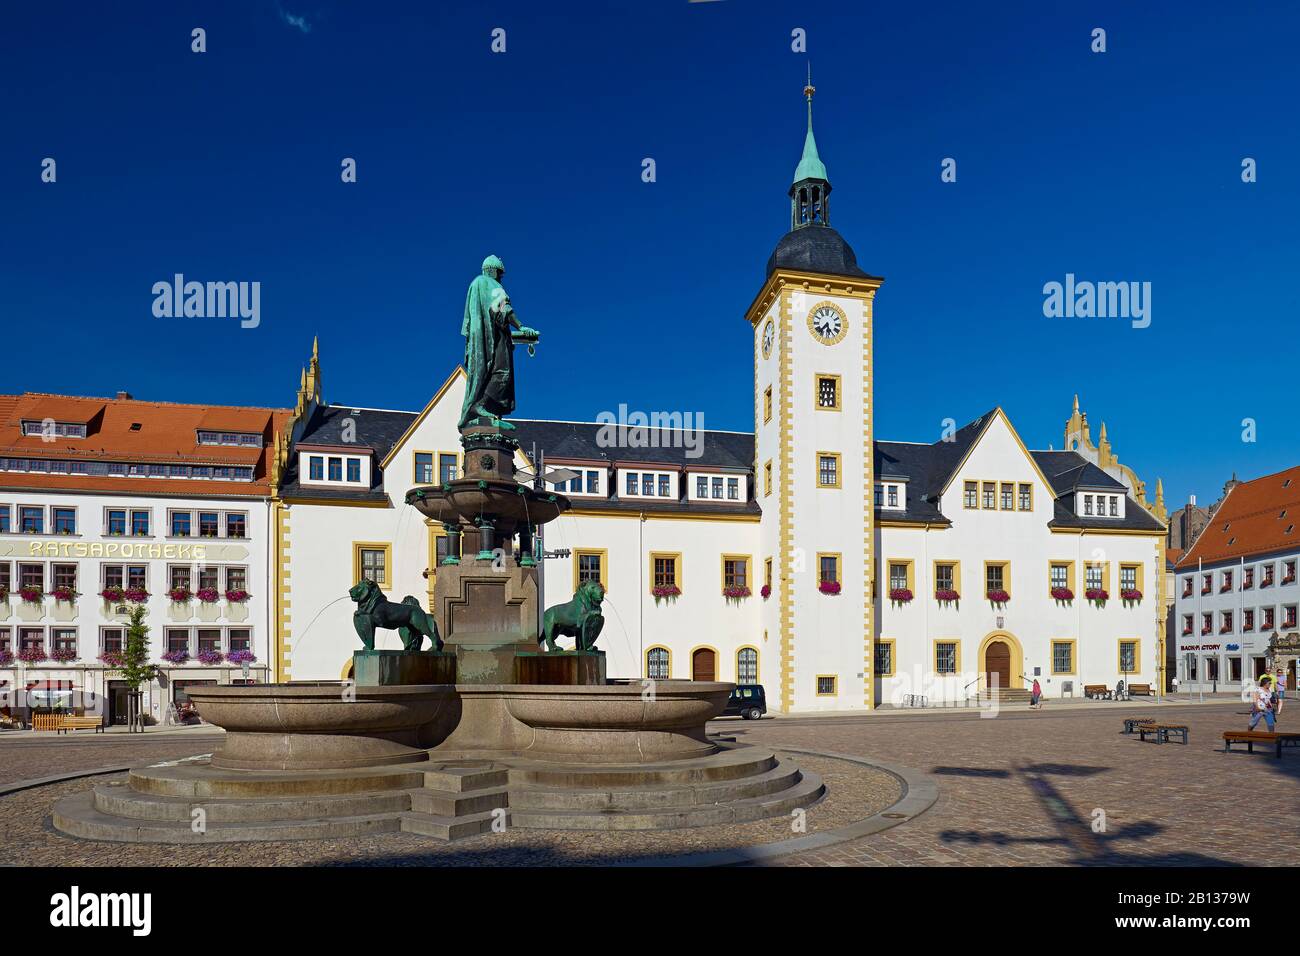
(230, 438)
(48, 428)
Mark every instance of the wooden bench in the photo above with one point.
(1252, 737)
(46, 721)
(1131, 723)
(81, 723)
(1162, 732)
(1139, 690)
(1099, 691)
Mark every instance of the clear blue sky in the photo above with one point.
(225, 166)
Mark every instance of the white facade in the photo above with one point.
(98, 552)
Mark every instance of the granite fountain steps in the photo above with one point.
(443, 801)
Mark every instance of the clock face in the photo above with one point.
(769, 333)
(827, 323)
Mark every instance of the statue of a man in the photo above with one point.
(490, 348)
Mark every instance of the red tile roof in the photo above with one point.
(167, 434)
(1253, 519)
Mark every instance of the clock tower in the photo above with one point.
(813, 442)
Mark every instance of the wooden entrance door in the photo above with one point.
(704, 665)
(997, 664)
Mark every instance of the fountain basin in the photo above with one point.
(325, 725)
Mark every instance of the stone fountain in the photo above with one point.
(484, 730)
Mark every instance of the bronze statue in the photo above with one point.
(579, 618)
(374, 611)
(488, 328)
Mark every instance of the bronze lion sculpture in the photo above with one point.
(374, 611)
(579, 618)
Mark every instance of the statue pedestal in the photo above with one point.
(571, 668)
(391, 668)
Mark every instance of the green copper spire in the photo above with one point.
(810, 165)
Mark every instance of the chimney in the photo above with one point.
(124, 396)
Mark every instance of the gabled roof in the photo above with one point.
(1251, 521)
(582, 441)
(1068, 470)
(374, 429)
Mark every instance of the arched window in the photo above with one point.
(803, 205)
(656, 663)
(747, 666)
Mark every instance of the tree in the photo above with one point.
(136, 669)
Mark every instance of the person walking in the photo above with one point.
(1279, 692)
(1262, 705)
(1036, 696)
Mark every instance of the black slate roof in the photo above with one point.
(815, 248)
(927, 468)
(583, 440)
(373, 428)
(1068, 470)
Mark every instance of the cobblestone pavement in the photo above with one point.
(28, 757)
(1018, 789)
(1022, 788)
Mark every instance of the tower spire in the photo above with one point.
(811, 185)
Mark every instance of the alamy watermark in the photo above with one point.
(1082, 299)
(208, 300)
(635, 429)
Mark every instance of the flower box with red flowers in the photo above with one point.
(32, 655)
(999, 597)
(900, 595)
(112, 659)
(736, 592)
(6, 658)
(1225, 629)
(208, 595)
(64, 594)
(946, 596)
(31, 595)
(4, 593)
(661, 592)
(112, 594)
(135, 595)
(765, 591)
(210, 657)
(829, 587)
(237, 595)
(1062, 594)
(180, 595)
(1100, 595)
(241, 657)
(64, 655)
(178, 656)
(1130, 594)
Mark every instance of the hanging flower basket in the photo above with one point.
(112, 595)
(829, 587)
(208, 595)
(64, 594)
(6, 658)
(240, 657)
(765, 591)
(31, 595)
(1064, 595)
(135, 595)
(900, 595)
(946, 596)
(999, 597)
(112, 659)
(64, 655)
(209, 657)
(32, 655)
(239, 595)
(176, 657)
(1130, 595)
(1098, 595)
(181, 595)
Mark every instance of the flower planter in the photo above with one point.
(111, 659)
(1130, 595)
(67, 595)
(6, 658)
(239, 595)
(63, 656)
(998, 597)
(900, 595)
(664, 592)
(209, 658)
(829, 587)
(32, 655)
(241, 657)
(135, 595)
(736, 593)
(208, 595)
(180, 595)
(946, 596)
(176, 657)
(1064, 595)
(1097, 595)
(31, 595)
(112, 595)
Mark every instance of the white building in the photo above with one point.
(840, 571)
(1237, 586)
(106, 503)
